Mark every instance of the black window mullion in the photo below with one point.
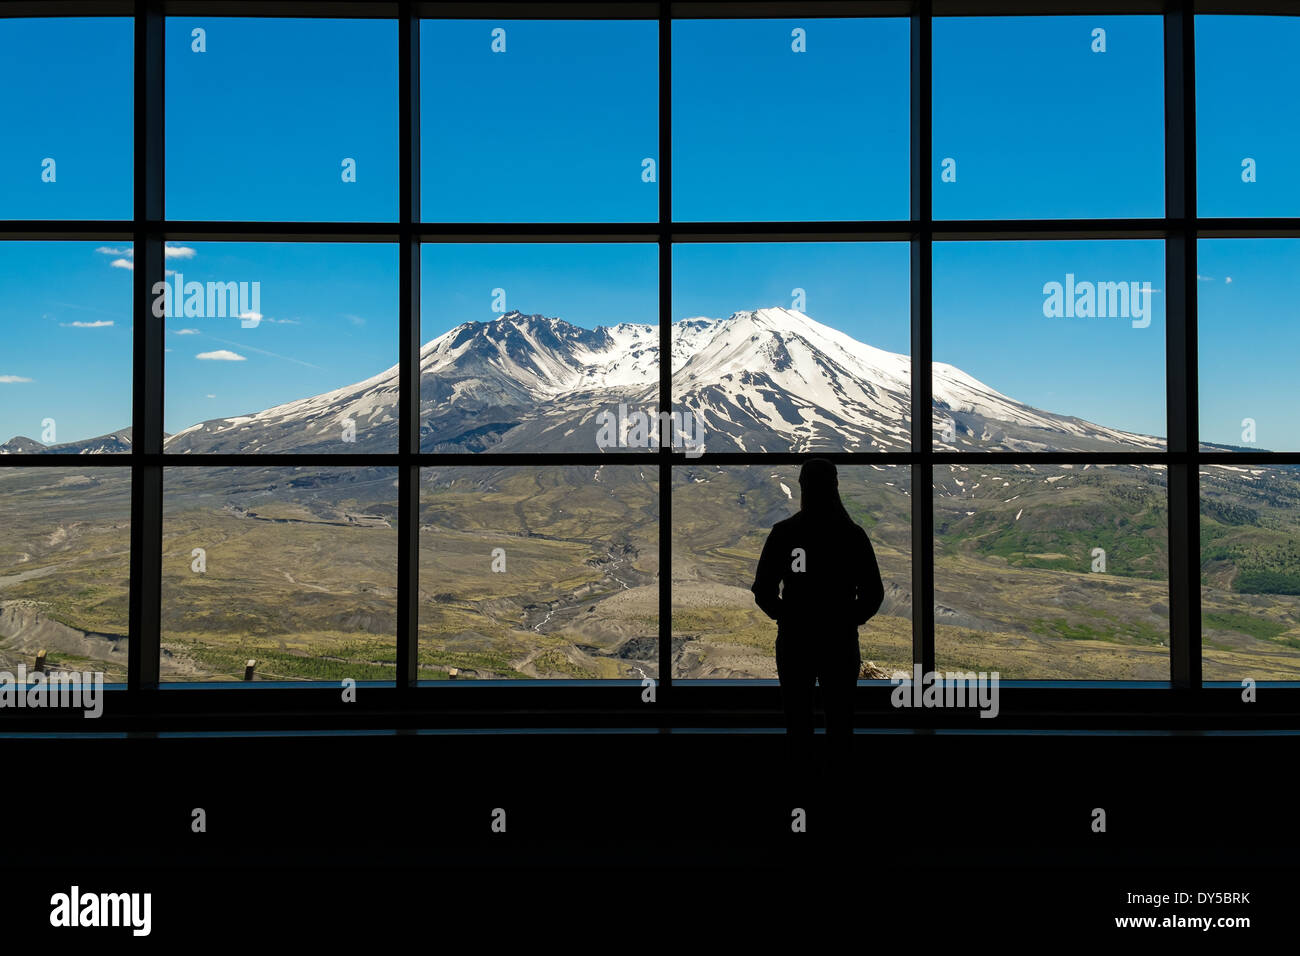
(408, 415)
(145, 607)
(922, 296)
(665, 351)
(1183, 428)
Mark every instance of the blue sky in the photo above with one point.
(860, 288)
(1249, 330)
(1040, 126)
(584, 283)
(66, 316)
(47, 67)
(258, 125)
(989, 321)
(1247, 75)
(557, 128)
(763, 132)
(314, 335)
(553, 129)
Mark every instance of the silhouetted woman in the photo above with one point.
(818, 579)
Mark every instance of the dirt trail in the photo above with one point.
(10, 579)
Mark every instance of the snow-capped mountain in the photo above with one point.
(764, 380)
(114, 443)
(775, 380)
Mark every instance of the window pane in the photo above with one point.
(294, 568)
(65, 368)
(68, 139)
(1246, 138)
(1052, 571)
(790, 120)
(539, 347)
(1250, 572)
(721, 518)
(281, 119)
(65, 569)
(539, 120)
(799, 346)
(281, 347)
(1049, 346)
(1249, 343)
(1048, 117)
(539, 572)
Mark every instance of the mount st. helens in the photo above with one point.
(764, 380)
(301, 559)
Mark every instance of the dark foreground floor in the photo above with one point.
(655, 836)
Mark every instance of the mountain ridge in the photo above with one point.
(767, 379)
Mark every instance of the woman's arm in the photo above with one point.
(767, 580)
(871, 589)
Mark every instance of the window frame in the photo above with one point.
(143, 704)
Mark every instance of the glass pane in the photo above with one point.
(1049, 346)
(1250, 572)
(799, 346)
(68, 141)
(1048, 117)
(281, 347)
(65, 569)
(65, 369)
(790, 120)
(722, 516)
(539, 120)
(539, 347)
(1249, 343)
(1052, 571)
(1246, 138)
(292, 568)
(539, 572)
(281, 119)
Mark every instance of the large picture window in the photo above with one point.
(414, 345)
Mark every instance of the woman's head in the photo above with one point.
(819, 488)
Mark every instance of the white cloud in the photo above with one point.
(354, 319)
(212, 396)
(169, 252)
(12, 379)
(1227, 278)
(221, 355)
(185, 332)
(251, 348)
(1204, 278)
(102, 323)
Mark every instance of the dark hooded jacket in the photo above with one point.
(818, 572)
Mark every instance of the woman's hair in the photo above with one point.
(819, 490)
